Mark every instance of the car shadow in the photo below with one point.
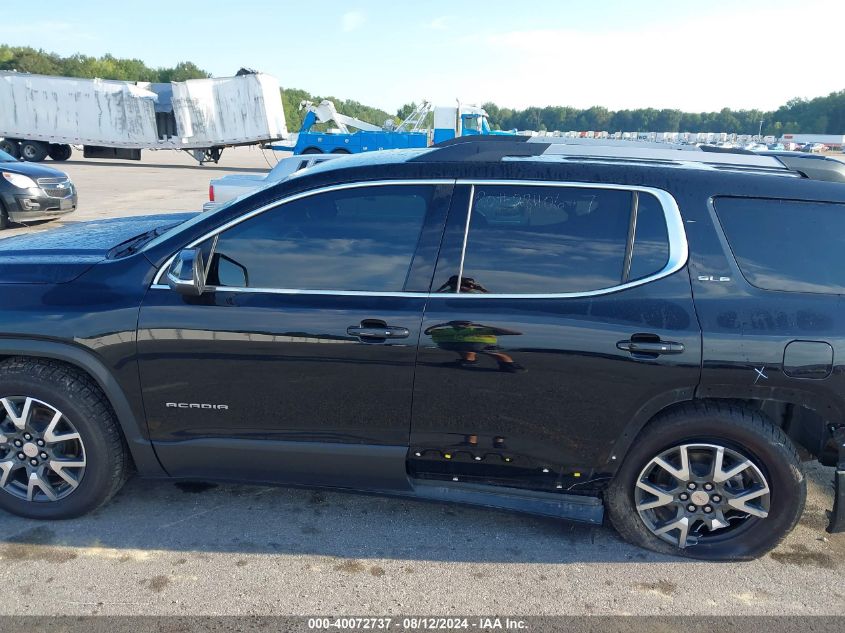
(226, 518)
(205, 518)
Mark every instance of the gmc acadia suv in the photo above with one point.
(533, 326)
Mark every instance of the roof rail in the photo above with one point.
(481, 149)
(495, 148)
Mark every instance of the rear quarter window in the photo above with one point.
(786, 245)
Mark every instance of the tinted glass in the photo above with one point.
(356, 239)
(651, 239)
(785, 244)
(546, 239)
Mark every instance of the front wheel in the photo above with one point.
(710, 481)
(61, 452)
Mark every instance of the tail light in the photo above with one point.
(211, 193)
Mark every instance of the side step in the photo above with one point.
(560, 506)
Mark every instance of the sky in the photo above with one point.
(694, 55)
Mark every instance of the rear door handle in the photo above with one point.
(650, 347)
(378, 332)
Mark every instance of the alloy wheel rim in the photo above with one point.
(693, 493)
(42, 456)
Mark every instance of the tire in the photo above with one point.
(340, 150)
(312, 150)
(743, 434)
(60, 152)
(34, 151)
(10, 147)
(99, 445)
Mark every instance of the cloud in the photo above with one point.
(352, 21)
(658, 65)
(49, 28)
(440, 23)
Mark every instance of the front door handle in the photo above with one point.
(377, 331)
(657, 347)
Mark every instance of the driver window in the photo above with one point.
(355, 239)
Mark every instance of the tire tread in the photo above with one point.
(740, 416)
(81, 387)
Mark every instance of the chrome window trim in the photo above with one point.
(678, 246)
(277, 203)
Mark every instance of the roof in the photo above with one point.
(550, 151)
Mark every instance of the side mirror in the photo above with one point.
(186, 274)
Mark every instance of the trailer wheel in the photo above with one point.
(59, 152)
(34, 151)
(312, 150)
(340, 150)
(10, 147)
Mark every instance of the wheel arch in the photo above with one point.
(807, 427)
(130, 422)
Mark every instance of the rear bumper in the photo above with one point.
(837, 516)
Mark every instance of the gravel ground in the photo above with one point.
(161, 548)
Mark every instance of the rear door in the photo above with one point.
(572, 322)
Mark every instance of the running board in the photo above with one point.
(560, 506)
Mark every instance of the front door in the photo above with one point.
(297, 363)
(572, 319)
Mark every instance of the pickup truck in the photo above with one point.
(227, 188)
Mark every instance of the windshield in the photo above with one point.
(7, 158)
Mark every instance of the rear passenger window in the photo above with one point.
(651, 239)
(527, 239)
(786, 244)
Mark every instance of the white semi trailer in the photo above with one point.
(44, 116)
(831, 140)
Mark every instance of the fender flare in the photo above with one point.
(619, 448)
(131, 423)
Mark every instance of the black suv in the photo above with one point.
(539, 327)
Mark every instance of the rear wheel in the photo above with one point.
(710, 481)
(340, 150)
(61, 452)
(312, 150)
(60, 152)
(34, 151)
(10, 147)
